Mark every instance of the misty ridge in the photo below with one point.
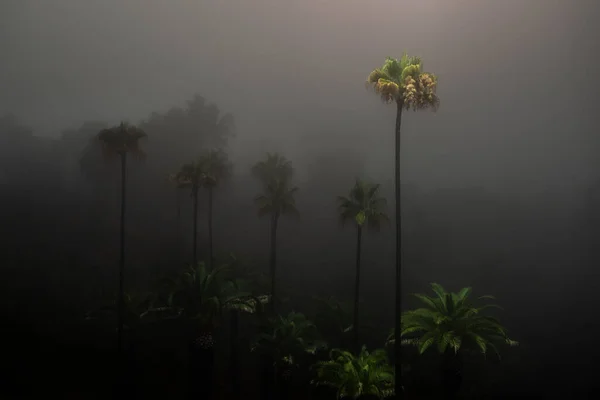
(246, 148)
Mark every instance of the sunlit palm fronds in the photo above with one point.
(403, 81)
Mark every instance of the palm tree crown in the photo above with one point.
(363, 205)
(121, 139)
(403, 81)
(275, 168)
(189, 175)
(278, 197)
(214, 166)
(450, 321)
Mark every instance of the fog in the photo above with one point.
(500, 185)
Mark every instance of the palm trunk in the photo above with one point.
(201, 365)
(210, 229)
(398, 325)
(178, 233)
(121, 294)
(235, 368)
(195, 237)
(121, 300)
(451, 374)
(357, 286)
(273, 259)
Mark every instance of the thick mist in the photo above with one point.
(501, 186)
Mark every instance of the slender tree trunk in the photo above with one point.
(121, 295)
(273, 259)
(235, 368)
(121, 300)
(451, 373)
(178, 235)
(357, 286)
(195, 224)
(398, 325)
(210, 229)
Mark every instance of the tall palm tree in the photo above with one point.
(404, 83)
(277, 199)
(214, 166)
(190, 175)
(119, 141)
(450, 322)
(363, 206)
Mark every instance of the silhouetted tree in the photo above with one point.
(119, 141)
(363, 206)
(402, 82)
(275, 173)
(215, 166)
(190, 175)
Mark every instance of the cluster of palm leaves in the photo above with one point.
(333, 319)
(207, 171)
(137, 308)
(450, 321)
(404, 81)
(367, 373)
(202, 294)
(288, 337)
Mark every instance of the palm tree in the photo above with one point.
(214, 166)
(277, 199)
(201, 296)
(179, 184)
(281, 345)
(402, 82)
(363, 206)
(454, 325)
(190, 175)
(357, 376)
(119, 141)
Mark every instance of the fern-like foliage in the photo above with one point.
(368, 373)
(202, 294)
(139, 308)
(451, 321)
(333, 316)
(288, 337)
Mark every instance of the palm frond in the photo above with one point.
(403, 81)
(449, 320)
(363, 205)
(121, 139)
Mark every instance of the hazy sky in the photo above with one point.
(518, 78)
